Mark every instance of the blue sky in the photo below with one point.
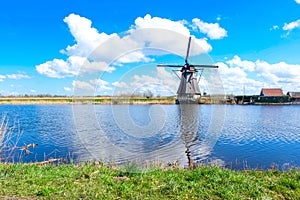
(45, 45)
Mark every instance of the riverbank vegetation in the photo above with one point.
(87, 100)
(91, 181)
(125, 99)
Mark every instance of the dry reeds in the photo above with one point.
(8, 140)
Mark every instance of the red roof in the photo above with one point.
(271, 92)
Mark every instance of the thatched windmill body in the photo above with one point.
(188, 90)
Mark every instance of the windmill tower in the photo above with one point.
(188, 90)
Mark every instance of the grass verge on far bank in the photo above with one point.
(87, 100)
(89, 181)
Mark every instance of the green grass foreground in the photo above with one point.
(89, 181)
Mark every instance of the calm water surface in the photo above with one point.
(233, 136)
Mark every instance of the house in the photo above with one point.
(272, 96)
(294, 94)
(295, 97)
(271, 92)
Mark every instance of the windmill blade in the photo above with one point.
(169, 65)
(205, 66)
(175, 72)
(188, 51)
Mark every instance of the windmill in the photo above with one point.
(188, 90)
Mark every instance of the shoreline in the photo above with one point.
(107, 100)
(84, 100)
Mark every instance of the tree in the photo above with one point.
(148, 94)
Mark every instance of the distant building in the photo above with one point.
(295, 97)
(271, 96)
(271, 92)
(294, 94)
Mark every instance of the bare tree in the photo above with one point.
(148, 94)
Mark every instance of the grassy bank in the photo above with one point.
(99, 182)
(87, 100)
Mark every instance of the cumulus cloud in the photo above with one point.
(92, 51)
(162, 35)
(87, 37)
(244, 64)
(160, 23)
(234, 78)
(59, 68)
(213, 30)
(235, 75)
(279, 73)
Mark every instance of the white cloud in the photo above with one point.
(67, 89)
(59, 68)
(279, 73)
(132, 57)
(32, 91)
(120, 84)
(91, 85)
(163, 34)
(2, 78)
(17, 76)
(87, 38)
(160, 23)
(245, 64)
(234, 78)
(100, 84)
(297, 1)
(292, 25)
(275, 27)
(14, 76)
(82, 85)
(213, 30)
(237, 73)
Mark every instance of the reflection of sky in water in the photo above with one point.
(253, 136)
